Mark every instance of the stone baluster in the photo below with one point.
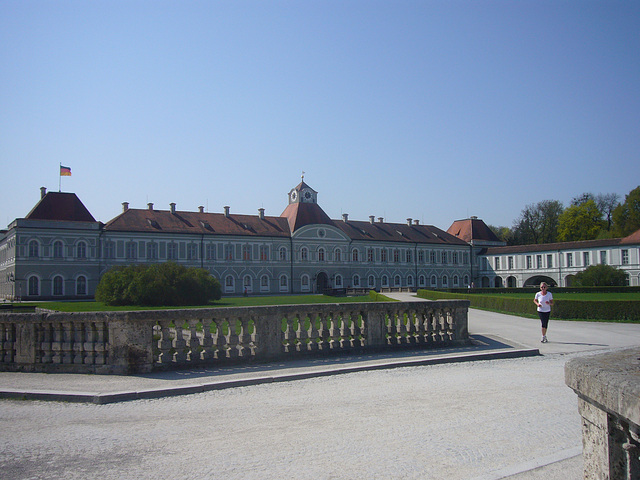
(179, 344)
(450, 328)
(77, 345)
(89, 343)
(301, 333)
(356, 330)
(45, 342)
(221, 343)
(233, 339)
(8, 342)
(441, 326)
(193, 347)
(401, 328)
(289, 336)
(100, 345)
(412, 330)
(314, 333)
(164, 343)
(208, 352)
(345, 330)
(244, 347)
(324, 333)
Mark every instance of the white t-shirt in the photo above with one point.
(543, 299)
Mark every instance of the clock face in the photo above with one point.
(307, 195)
(294, 195)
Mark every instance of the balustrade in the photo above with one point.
(141, 341)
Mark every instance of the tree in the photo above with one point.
(580, 222)
(606, 203)
(626, 217)
(167, 284)
(600, 276)
(538, 223)
(503, 233)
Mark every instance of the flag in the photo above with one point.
(65, 171)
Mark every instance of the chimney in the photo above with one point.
(380, 220)
(345, 217)
(416, 222)
(173, 207)
(43, 192)
(473, 217)
(372, 218)
(125, 206)
(226, 211)
(150, 205)
(201, 209)
(261, 213)
(409, 221)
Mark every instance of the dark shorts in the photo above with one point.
(544, 318)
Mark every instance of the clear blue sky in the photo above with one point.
(434, 110)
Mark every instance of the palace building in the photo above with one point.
(60, 251)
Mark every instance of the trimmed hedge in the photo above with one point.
(605, 310)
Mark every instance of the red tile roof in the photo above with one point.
(472, 229)
(301, 214)
(396, 232)
(61, 207)
(156, 221)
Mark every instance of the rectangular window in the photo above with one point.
(529, 264)
(228, 252)
(603, 257)
(246, 252)
(383, 255)
(455, 258)
(420, 256)
(586, 259)
(370, 255)
(538, 261)
(264, 253)
(192, 251)
(625, 257)
(569, 259)
(172, 251)
(510, 260)
(210, 251)
(549, 261)
(131, 250)
(496, 263)
(432, 257)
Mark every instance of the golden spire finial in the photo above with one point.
(302, 175)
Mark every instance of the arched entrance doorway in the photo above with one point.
(322, 282)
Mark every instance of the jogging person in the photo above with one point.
(544, 300)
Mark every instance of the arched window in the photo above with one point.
(385, 281)
(81, 285)
(421, 280)
(81, 250)
(410, 281)
(321, 254)
(247, 283)
(372, 281)
(34, 249)
(338, 281)
(445, 281)
(355, 255)
(58, 285)
(58, 249)
(283, 254)
(396, 281)
(455, 281)
(304, 254)
(229, 285)
(284, 283)
(304, 283)
(34, 286)
(338, 255)
(434, 281)
(264, 283)
(356, 280)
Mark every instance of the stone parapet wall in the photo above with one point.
(143, 341)
(608, 388)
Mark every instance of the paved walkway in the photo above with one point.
(438, 415)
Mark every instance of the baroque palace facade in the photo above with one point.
(59, 251)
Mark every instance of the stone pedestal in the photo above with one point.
(608, 389)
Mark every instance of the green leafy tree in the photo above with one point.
(580, 222)
(600, 276)
(503, 233)
(164, 284)
(626, 217)
(538, 223)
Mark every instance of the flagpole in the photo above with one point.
(60, 178)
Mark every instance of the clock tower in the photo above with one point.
(303, 193)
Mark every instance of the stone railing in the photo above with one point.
(608, 388)
(143, 341)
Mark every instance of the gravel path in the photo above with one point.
(453, 421)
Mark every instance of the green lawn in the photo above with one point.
(250, 301)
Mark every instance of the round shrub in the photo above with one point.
(163, 284)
